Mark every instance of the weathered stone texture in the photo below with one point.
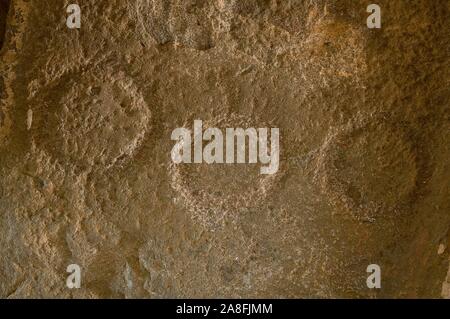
(86, 175)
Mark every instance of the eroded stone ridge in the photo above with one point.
(182, 22)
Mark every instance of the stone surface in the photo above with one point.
(86, 175)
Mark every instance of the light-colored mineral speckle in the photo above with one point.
(441, 249)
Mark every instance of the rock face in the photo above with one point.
(4, 7)
(86, 175)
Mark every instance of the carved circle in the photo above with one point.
(96, 118)
(371, 170)
(215, 192)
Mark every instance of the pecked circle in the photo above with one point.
(371, 170)
(96, 118)
(215, 192)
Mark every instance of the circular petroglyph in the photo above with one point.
(213, 192)
(97, 118)
(370, 170)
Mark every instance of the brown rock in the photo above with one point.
(86, 176)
